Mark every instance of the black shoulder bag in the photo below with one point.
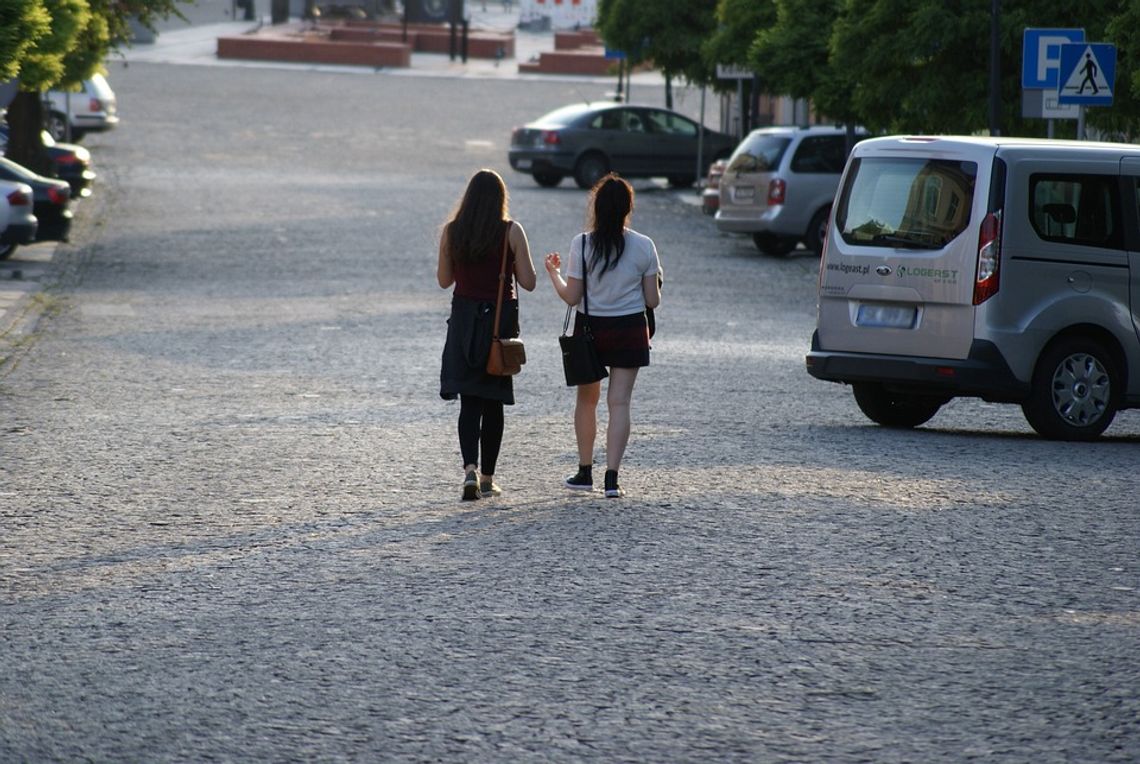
(579, 356)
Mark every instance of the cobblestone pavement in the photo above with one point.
(229, 516)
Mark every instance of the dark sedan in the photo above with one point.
(51, 200)
(72, 162)
(588, 140)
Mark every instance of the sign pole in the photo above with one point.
(1081, 123)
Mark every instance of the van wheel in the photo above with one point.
(817, 230)
(1074, 391)
(895, 409)
(771, 244)
(590, 170)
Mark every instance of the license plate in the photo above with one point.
(522, 164)
(743, 193)
(890, 316)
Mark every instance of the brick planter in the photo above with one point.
(315, 50)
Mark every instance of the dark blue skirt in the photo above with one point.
(622, 341)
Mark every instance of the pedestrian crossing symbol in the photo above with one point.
(1088, 73)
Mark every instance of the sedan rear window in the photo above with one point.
(758, 153)
(906, 203)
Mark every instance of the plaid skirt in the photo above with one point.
(622, 341)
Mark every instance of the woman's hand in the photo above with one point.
(553, 263)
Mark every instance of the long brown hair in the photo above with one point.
(611, 205)
(475, 230)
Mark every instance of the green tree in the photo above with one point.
(738, 22)
(67, 43)
(22, 24)
(669, 33)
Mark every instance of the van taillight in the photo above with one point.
(989, 258)
(776, 189)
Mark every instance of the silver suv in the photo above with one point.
(1000, 268)
(779, 185)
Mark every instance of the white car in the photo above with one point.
(71, 115)
(18, 222)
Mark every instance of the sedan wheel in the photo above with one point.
(1074, 391)
(6, 251)
(57, 126)
(590, 170)
(547, 179)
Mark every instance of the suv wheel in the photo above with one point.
(1074, 390)
(892, 409)
(771, 244)
(590, 170)
(817, 230)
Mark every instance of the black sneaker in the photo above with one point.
(613, 490)
(490, 488)
(582, 480)
(471, 487)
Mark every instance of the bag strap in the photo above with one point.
(585, 298)
(502, 281)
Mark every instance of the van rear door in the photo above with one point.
(1130, 169)
(897, 275)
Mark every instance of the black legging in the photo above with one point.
(480, 424)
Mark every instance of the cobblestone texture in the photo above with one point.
(229, 516)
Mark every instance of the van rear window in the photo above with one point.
(905, 203)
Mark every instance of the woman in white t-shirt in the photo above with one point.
(621, 269)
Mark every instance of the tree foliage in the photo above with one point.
(22, 24)
(668, 33)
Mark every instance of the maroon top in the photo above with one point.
(480, 281)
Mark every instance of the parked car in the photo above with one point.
(710, 197)
(92, 109)
(72, 162)
(17, 219)
(587, 140)
(1000, 268)
(779, 185)
(51, 200)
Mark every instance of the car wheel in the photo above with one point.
(57, 126)
(547, 179)
(681, 181)
(1074, 391)
(817, 231)
(892, 409)
(771, 244)
(590, 170)
(6, 251)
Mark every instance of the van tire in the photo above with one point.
(813, 239)
(1075, 390)
(895, 409)
(771, 244)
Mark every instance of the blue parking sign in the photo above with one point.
(1088, 74)
(1041, 56)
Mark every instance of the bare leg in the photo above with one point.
(586, 420)
(618, 400)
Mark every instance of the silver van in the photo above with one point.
(779, 184)
(1001, 268)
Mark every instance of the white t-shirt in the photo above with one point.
(618, 291)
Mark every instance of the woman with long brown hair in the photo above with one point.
(470, 257)
(621, 273)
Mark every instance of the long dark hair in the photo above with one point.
(611, 205)
(475, 230)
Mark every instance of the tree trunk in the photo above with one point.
(25, 124)
(668, 91)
